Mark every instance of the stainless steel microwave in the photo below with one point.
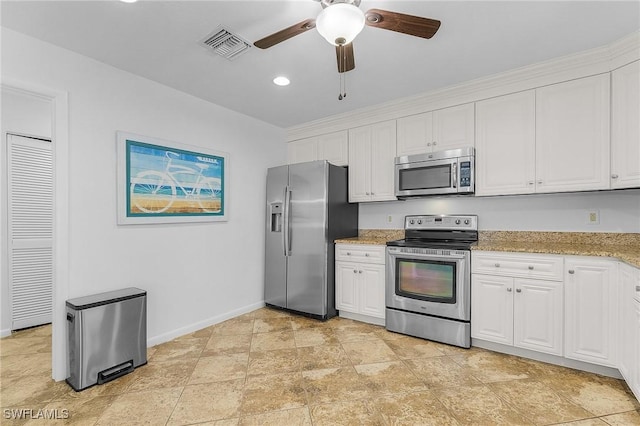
(435, 173)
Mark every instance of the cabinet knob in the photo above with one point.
(614, 176)
(531, 268)
(509, 289)
(571, 271)
(539, 182)
(531, 182)
(428, 143)
(366, 254)
(373, 193)
(359, 272)
(348, 253)
(355, 271)
(638, 288)
(368, 193)
(434, 143)
(518, 290)
(497, 265)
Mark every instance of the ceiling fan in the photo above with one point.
(342, 20)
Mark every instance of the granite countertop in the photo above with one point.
(625, 247)
(373, 237)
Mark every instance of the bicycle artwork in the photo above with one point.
(171, 183)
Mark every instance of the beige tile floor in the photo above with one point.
(271, 368)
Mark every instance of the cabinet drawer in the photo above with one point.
(546, 267)
(360, 253)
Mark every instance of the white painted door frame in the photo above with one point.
(60, 140)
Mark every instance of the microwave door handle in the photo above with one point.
(454, 175)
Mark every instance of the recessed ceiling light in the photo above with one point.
(281, 81)
(128, 1)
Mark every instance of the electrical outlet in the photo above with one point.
(593, 217)
(389, 219)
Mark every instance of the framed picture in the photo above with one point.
(166, 182)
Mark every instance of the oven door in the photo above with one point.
(430, 282)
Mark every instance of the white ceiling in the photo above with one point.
(159, 40)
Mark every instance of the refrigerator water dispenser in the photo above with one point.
(276, 216)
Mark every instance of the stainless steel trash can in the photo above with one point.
(107, 336)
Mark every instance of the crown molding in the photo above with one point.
(594, 61)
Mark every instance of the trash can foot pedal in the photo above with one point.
(115, 372)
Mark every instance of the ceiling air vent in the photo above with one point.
(225, 43)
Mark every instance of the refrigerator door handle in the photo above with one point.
(286, 234)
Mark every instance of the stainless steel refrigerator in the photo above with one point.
(307, 209)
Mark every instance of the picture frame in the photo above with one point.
(161, 181)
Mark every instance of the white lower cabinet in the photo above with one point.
(515, 311)
(360, 280)
(591, 310)
(629, 347)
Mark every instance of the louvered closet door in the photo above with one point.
(30, 226)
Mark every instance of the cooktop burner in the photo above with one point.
(457, 232)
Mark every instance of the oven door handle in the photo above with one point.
(428, 256)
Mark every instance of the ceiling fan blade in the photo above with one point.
(346, 61)
(401, 23)
(286, 34)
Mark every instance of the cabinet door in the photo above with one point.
(572, 135)
(383, 152)
(492, 308)
(625, 126)
(453, 127)
(635, 370)
(506, 146)
(346, 286)
(628, 278)
(414, 134)
(334, 147)
(302, 150)
(372, 290)
(537, 321)
(359, 164)
(591, 311)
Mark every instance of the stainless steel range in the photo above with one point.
(428, 283)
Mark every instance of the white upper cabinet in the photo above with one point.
(572, 135)
(505, 144)
(448, 128)
(372, 150)
(302, 150)
(625, 127)
(333, 147)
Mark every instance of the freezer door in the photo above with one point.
(275, 265)
(307, 261)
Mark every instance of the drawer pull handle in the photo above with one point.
(518, 290)
(509, 289)
(571, 271)
(531, 268)
(497, 265)
(638, 288)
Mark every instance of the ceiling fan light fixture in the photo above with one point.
(340, 23)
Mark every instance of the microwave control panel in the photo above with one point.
(465, 173)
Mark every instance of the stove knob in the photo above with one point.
(419, 221)
(457, 221)
(411, 221)
(466, 221)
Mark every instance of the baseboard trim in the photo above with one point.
(361, 317)
(170, 335)
(5, 333)
(548, 358)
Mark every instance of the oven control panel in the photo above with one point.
(444, 222)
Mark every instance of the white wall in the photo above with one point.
(619, 211)
(195, 274)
